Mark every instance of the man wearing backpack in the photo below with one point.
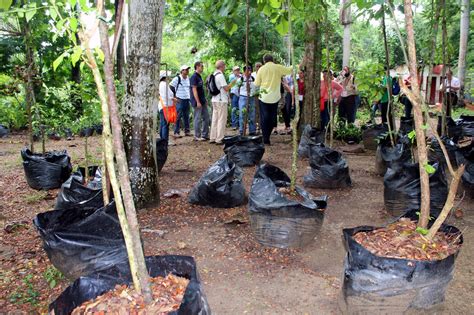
(181, 90)
(249, 115)
(219, 89)
(198, 102)
(269, 81)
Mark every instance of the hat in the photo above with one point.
(184, 67)
(235, 68)
(164, 74)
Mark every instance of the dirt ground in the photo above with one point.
(240, 276)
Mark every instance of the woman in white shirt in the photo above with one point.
(166, 99)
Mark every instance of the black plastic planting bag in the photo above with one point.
(46, 171)
(381, 285)
(278, 221)
(436, 154)
(453, 128)
(220, 186)
(244, 151)
(75, 195)
(371, 134)
(82, 241)
(402, 190)
(391, 156)
(161, 153)
(468, 177)
(407, 124)
(89, 287)
(467, 125)
(328, 169)
(4, 131)
(310, 136)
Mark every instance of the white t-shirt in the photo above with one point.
(455, 83)
(166, 99)
(223, 96)
(242, 82)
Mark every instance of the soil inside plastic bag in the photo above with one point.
(89, 287)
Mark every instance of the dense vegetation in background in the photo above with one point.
(199, 30)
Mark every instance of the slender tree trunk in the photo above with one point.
(443, 75)
(464, 34)
(432, 49)
(418, 118)
(390, 118)
(29, 79)
(120, 55)
(345, 19)
(146, 21)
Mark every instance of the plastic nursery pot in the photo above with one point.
(278, 221)
(98, 129)
(328, 169)
(161, 153)
(75, 194)
(4, 131)
(68, 133)
(91, 170)
(220, 186)
(244, 151)
(381, 285)
(89, 287)
(86, 132)
(370, 133)
(46, 171)
(310, 136)
(468, 177)
(454, 129)
(54, 136)
(407, 124)
(402, 190)
(388, 155)
(81, 241)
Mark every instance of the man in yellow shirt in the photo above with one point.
(269, 81)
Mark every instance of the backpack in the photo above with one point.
(174, 89)
(211, 85)
(395, 87)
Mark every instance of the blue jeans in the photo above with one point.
(250, 114)
(234, 111)
(325, 115)
(164, 127)
(182, 108)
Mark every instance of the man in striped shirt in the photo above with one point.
(181, 87)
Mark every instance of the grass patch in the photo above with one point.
(36, 196)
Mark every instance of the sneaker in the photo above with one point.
(201, 139)
(187, 134)
(212, 141)
(171, 143)
(177, 136)
(219, 142)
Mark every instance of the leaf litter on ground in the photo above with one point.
(401, 240)
(168, 293)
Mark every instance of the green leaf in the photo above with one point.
(5, 4)
(76, 55)
(58, 61)
(422, 231)
(276, 4)
(411, 135)
(53, 13)
(21, 13)
(429, 168)
(282, 26)
(52, 283)
(29, 14)
(72, 3)
(73, 24)
(100, 54)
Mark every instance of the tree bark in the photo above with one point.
(29, 79)
(464, 34)
(345, 19)
(390, 118)
(312, 68)
(418, 118)
(120, 55)
(141, 88)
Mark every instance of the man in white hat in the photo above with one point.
(234, 97)
(181, 90)
(166, 100)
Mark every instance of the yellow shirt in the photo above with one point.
(269, 78)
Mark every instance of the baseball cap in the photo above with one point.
(235, 68)
(184, 67)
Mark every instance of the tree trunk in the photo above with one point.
(120, 56)
(464, 34)
(418, 118)
(312, 79)
(29, 77)
(390, 118)
(141, 88)
(345, 19)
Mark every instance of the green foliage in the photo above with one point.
(345, 131)
(368, 78)
(429, 168)
(52, 276)
(27, 294)
(422, 231)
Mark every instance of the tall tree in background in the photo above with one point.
(345, 20)
(141, 88)
(465, 12)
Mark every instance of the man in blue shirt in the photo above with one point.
(181, 89)
(234, 98)
(198, 102)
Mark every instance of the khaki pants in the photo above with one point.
(219, 121)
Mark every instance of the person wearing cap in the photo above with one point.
(245, 95)
(166, 99)
(198, 102)
(220, 103)
(181, 87)
(234, 98)
(258, 65)
(269, 80)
